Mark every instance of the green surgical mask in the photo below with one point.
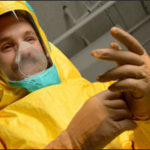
(46, 78)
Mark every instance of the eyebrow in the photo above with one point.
(4, 39)
(29, 32)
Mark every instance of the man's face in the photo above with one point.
(12, 33)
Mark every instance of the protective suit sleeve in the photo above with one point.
(2, 144)
(62, 142)
(142, 135)
(94, 126)
(82, 126)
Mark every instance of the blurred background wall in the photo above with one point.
(77, 27)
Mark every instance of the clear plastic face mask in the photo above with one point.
(30, 61)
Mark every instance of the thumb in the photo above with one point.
(126, 124)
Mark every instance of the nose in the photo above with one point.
(21, 50)
(17, 45)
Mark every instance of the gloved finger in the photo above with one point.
(129, 85)
(114, 45)
(107, 94)
(122, 72)
(126, 124)
(121, 57)
(115, 104)
(119, 114)
(128, 40)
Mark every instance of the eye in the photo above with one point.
(30, 39)
(7, 47)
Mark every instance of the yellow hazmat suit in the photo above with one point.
(32, 120)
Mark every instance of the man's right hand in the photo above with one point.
(98, 122)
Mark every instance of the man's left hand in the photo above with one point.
(132, 75)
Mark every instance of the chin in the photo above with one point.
(16, 77)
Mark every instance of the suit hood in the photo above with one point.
(66, 70)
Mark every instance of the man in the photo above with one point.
(37, 107)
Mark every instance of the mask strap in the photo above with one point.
(14, 13)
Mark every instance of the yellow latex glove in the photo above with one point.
(132, 75)
(100, 120)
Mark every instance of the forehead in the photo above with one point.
(10, 22)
